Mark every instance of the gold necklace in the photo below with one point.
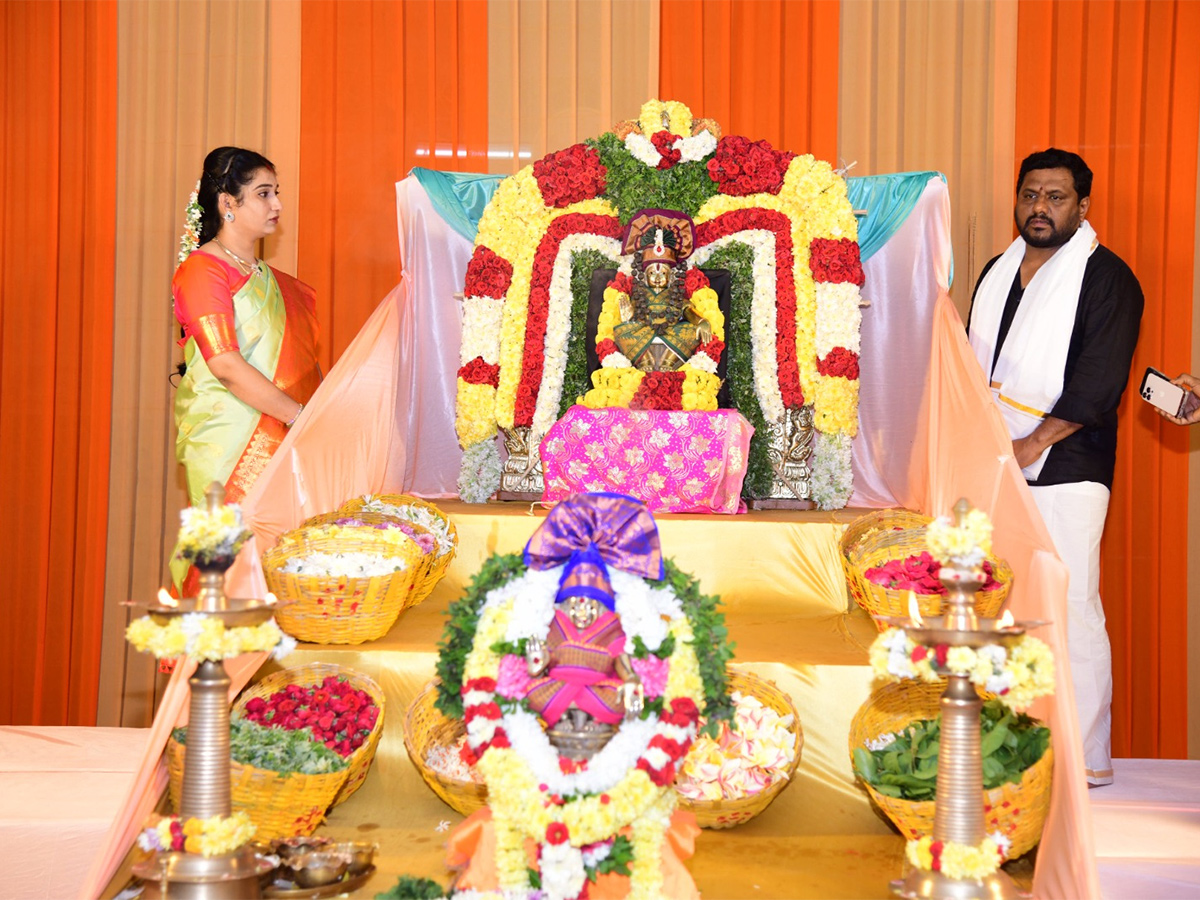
(244, 267)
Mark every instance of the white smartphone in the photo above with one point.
(1158, 390)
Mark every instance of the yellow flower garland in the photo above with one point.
(213, 641)
(958, 861)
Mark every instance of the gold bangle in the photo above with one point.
(292, 420)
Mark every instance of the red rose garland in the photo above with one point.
(835, 261)
(839, 362)
(479, 372)
(695, 280)
(741, 167)
(659, 390)
(533, 356)
(785, 286)
(488, 274)
(569, 176)
(663, 141)
(605, 347)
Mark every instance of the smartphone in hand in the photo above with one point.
(1158, 391)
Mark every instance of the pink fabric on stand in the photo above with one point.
(681, 462)
(962, 449)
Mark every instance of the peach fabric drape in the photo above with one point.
(386, 86)
(1119, 83)
(546, 93)
(766, 69)
(930, 85)
(192, 75)
(962, 449)
(57, 191)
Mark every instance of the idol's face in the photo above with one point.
(658, 275)
(583, 611)
(1048, 210)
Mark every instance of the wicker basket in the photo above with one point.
(425, 727)
(280, 805)
(332, 609)
(440, 563)
(1016, 810)
(314, 673)
(730, 813)
(880, 540)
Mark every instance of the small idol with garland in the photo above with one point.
(581, 670)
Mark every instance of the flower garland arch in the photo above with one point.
(790, 211)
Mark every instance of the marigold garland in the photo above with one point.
(201, 637)
(214, 836)
(958, 861)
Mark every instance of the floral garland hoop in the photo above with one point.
(792, 211)
(958, 861)
(201, 637)
(214, 836)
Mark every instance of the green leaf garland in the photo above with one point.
(633, 186)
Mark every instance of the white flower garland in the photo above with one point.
(692, 148)
(351, 564)
(839, 317)
(482, 317)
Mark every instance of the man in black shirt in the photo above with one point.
(1054, 322)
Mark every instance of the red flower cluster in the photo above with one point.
(338, 715)
(534, 354)
(935, 851)
(839, 362)
(479, 372)
(605, 347)
(557, 833)
(662, 141)
(741, 167)
(568, 176)
(778, 224)
(695, 280)
(941, 653)
(919, 573)
(659, 390)
(178, 838)
(714, 348)
(835, 261)
(621, 282)
(480, 739)
(488, 274)
(683, 714)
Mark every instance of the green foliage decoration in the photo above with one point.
(459, 634)
(409, 888)
(1010, 743)
(576, 378)
(738, 259)
(633, 186)
(276, 749)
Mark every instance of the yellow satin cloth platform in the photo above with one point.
(780, 579)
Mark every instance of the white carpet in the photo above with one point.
(1147, 825)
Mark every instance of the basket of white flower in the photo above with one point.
(342, 584)
(421, 514)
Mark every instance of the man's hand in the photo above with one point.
(1025, 451)
(1191, 403)
(1050, 430)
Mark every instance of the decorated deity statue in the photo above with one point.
(583, 683)
(659, 328)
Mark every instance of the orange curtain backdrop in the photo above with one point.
(57, 192)
(766, 69)
(386, 86)
(1119, 83)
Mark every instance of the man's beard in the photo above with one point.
(1053, 238)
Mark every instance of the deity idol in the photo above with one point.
(659, 328)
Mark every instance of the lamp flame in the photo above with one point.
(1006, 620)
(914, 611)
(165, 599)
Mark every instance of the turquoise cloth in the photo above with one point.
(460, 197)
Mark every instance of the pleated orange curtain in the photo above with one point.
(57, 232)
(766, 69)
(1119, 83)
(385, 86)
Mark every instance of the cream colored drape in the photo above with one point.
(560, 71)
(930, 84)
(192, 75)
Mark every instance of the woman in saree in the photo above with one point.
(249, 336)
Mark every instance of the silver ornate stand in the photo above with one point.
(521, 477)
(206, 793)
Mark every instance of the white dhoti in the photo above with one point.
(1074, 514)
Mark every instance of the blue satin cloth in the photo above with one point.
(460, 197)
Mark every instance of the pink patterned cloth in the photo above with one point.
(686, 462)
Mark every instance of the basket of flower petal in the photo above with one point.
(340, 708)
(435, 744)
(884, 567)
(342, 584)
(284, 780)
(894, 740)
(422, 514)
(730, 779)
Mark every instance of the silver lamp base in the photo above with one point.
(921, 885)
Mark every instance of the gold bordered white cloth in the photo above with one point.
(1028, 378)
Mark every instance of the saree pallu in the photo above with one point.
(220, 438)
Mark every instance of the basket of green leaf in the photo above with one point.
(894, 741)
(284, 780)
